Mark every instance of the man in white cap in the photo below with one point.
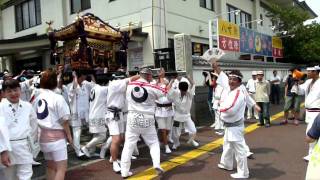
(251, 88)
(141, 97)
(312, 100)
(262, 99)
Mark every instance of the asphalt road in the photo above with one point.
(278, 153)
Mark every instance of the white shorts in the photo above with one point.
(164, 122)
(58, 155)
(116, 127)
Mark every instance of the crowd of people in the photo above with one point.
(298, 87)
(48, 112)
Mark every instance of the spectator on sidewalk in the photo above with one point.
(275, 88)
(210, 82)
(262, 99)
(292, 100)
(251, 88)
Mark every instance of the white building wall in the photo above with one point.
(50, 10)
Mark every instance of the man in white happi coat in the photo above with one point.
(18, 133)
(232, 110)
(141, 96)
(164, 111)
(78, 92)
(181, 94)
(312, 100)
(114, 116)
(97, 123)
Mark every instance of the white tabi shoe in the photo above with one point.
(35, 163)
(221, 166)
(193, 143)
(213, 125)
(168, 150)
(116, 167)
(133, 158)
(239, 176)
(159, 170)
(126, 175)
(175, 146)
(306, 158)
(86, 151)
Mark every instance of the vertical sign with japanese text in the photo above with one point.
(229, 35)
(277, 48)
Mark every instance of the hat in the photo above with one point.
(311, 68)
(260, 73)
(317, 68)
(145, 70)
(254, 73)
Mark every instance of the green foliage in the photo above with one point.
(302, 42)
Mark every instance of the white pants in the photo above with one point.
(96, 139)
(164, 122)
(237, 149)
(189, 127)
(218, 124)
(18, 172)
(76, 131)
(149, 135)
(249, 110)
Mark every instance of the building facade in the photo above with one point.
(24, 23)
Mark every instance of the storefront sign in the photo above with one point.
(277, 48)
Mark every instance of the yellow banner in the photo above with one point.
(277, 42)
(229, 29)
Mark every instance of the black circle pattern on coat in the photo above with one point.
(42, 109)
(139, 94)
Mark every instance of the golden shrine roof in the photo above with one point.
(89, 26)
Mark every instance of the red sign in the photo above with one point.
(229, 44)
(276, 52)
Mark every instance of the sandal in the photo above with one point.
(284, 122)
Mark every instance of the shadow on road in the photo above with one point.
(265, 171)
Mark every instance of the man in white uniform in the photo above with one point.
(21, 122)
(181, 94)
(79, 91)
(251, 88)
(114, 116)
(97, 125)
(141, 96)
(164, 111)
(232, 110)
(312, 100)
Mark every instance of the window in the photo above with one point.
(243, 20)
(208, 4)
(79, 5)
(27, 14)
(232, 16)
(261, 18)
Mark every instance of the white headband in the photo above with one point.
(234, 75)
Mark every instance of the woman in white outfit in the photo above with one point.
(53, 118)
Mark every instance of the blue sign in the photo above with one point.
(255, 43)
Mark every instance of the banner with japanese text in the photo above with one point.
(255, 43)
(277, 48)
(232, 37)
(229, 35)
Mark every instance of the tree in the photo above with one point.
(301, 42)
